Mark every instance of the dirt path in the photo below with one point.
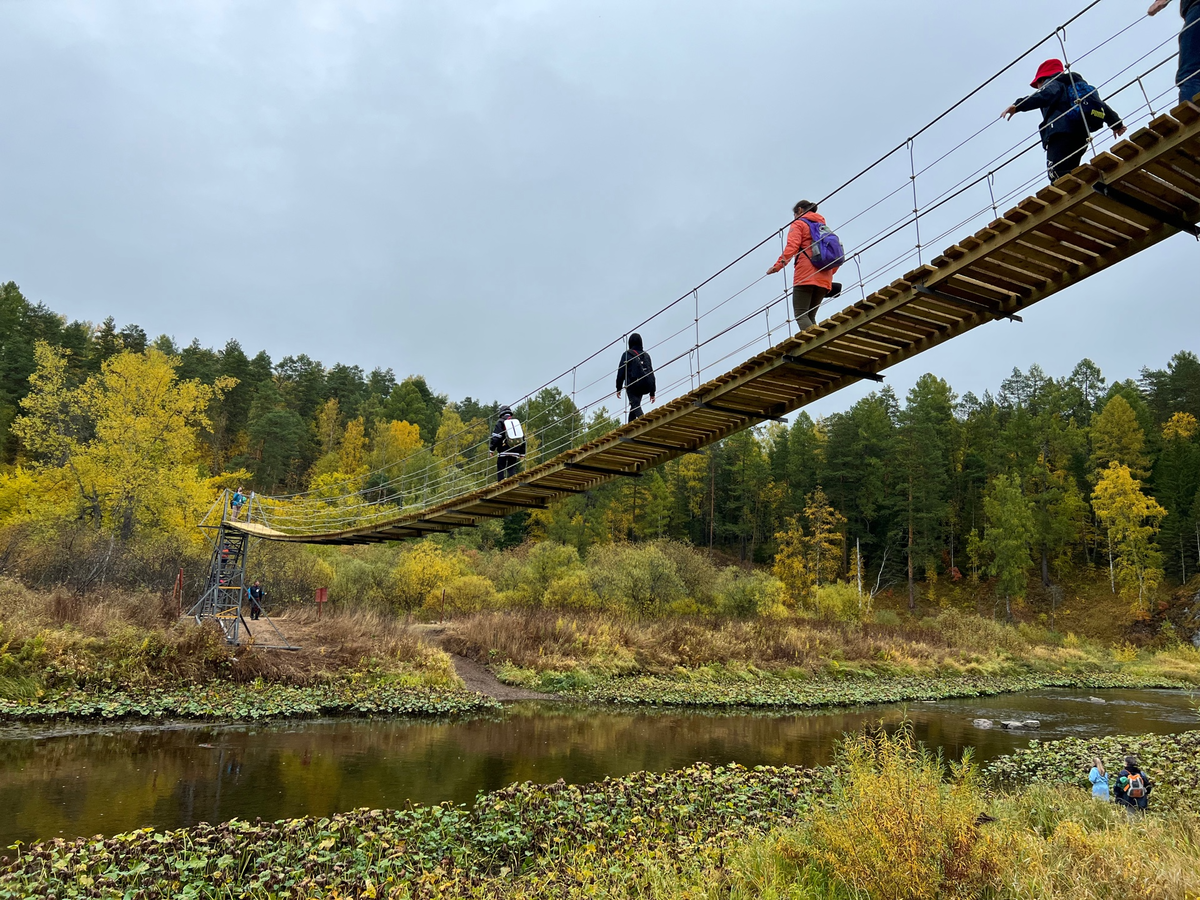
(475, 676)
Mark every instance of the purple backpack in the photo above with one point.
(826, 250)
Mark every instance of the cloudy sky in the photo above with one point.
(485, 191)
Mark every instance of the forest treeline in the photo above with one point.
(102, 428)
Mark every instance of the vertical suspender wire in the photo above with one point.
(787, 307)
(991, 183)
(696, 298)
(1061, 33)
(1149, 106)
(862, 288)
(578, 424)
(912, 167)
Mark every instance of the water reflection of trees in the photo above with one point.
(107, 782)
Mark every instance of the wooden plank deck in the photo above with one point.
(1065, 233)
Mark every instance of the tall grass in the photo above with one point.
(950, 644)
(117, 638)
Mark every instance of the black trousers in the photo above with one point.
(506, 466)
(1064, 153)
(635, 406)
(806, 300)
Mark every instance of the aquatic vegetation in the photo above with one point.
(525, 830)
(1171, 760)
(763, 690)
(225, 700)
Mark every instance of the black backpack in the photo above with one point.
(637, 368)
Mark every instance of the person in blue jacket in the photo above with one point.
(1188, 75)
(1099, 779)
(1064, 127)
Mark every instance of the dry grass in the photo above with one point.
(951, 644)
(548, 641)
(115, 638)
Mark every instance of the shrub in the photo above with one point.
(898, 830)
(748, 594)
(640, 577)
(464, 594)
(701, 579)
(838, 602)
(421, 570)
(572, 591)
(545, 563)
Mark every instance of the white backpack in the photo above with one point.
(513, 430)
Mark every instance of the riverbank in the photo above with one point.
(918, 828)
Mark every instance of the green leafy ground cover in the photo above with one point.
(247, 701)
(443, 850)
(729, 832)
(1171, 760)
(773, 691)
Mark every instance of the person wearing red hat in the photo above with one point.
(1071, 109)
(1188, 76)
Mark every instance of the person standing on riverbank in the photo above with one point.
(256, 599)
(1099, 779)
(1133, 787)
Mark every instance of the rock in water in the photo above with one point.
(1031, 723)
(1010, 724)
(982, 723)
(1096, 700)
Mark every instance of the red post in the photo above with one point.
(322, 596)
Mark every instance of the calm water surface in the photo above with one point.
(67, 783)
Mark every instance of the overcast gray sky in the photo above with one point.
(483, 191)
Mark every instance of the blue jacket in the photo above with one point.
(1055, 102)
(1099, 783)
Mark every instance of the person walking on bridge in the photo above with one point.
(1071, 110)
(636, 373)
(810, 284)
(1188, 76)
(507, 443)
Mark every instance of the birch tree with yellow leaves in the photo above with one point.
(121, 451)
(1131, 520)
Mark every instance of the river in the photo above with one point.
(58, 781)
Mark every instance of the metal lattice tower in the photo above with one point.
(224, 594)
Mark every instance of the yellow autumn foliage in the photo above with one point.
(121, 451)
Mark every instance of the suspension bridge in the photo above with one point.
(1127, 198)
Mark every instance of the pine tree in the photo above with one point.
(924, 460)
(1007, 538)
(1176, 480)
(1117, 437)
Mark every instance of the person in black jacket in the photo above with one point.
(1064, 128)
(256, 598)
(1133, 786)
(636, 374)
(510, 451)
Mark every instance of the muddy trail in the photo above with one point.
(474, 675)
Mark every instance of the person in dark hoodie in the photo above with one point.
(1069, 105)
(635, 373)
(507, 444)
(1133, 786)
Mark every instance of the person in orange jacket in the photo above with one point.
(809, 286)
